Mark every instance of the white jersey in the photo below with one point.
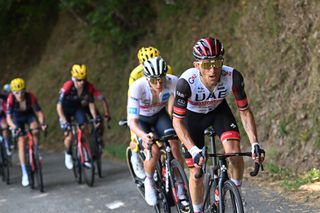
(201, 99)
(140, 101)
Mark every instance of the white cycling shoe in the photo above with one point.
(150, 193)
(68, 161)
(137, 166)
(25, 180)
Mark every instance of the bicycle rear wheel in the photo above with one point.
(139, 182)
(164, 204)
(180, 184)
(232, 201)
(87, 166)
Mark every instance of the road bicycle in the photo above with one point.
(83, 166)
(168, 177)
(221, 194)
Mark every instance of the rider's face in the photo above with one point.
(79, 83)
(210, 70)
(19, 95)
(157, 83)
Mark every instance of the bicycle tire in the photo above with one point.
(163, 204)
(76, 163)
(139, 182)
(88, 171)
(38, 171)
(5, 165)
(176, 168)
(231, 198)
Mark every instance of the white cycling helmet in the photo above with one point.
(155, 67)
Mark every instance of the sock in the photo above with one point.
(237, 182)
(24, 169)
(69, 150)
(197, 208)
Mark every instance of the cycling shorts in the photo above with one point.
(221, 119)
(78, 113)
(160, 123)
(22, 120)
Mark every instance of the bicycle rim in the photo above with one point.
(88, 171)
(137, 181)
(178, 181)
(76, 163)
(232, 201)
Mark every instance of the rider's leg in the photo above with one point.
(236, 164)
(35, 131)
(196, 189)
(176, 151)
(21, 151)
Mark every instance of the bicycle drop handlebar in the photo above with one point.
(205, 154)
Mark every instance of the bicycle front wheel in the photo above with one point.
(231, 198)
(87, 166)
(180, 188)
(38, 171)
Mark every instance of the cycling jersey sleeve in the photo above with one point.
(34, 103)
(133, 102)
(238, 90)
(9, 104)
(182, 94)
(135, 74)
(96, 93)
(65, 90)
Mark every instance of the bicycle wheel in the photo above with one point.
(139, 182)
(5, 165)
(232, 201)
(76, 163)
(180, 184)
(38, 170)
(30, 170)
(163, 204)
(87, 166)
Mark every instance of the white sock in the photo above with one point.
(197, 208)
(237, 182)
(24, 169)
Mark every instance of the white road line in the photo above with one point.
(114, 205)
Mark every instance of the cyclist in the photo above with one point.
(146, 112)
(200, 102)
(75, 95)
(23, 109)
(3, 121)
(144, 54)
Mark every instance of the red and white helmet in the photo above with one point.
(208, 48)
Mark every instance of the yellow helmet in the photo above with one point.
(17, 84)
(79, 71)
(147, 52)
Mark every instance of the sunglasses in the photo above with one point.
(216, 63)
(154, 80)
(21, 92)
(79, 80)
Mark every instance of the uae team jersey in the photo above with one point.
(140, 101)
(192, 95)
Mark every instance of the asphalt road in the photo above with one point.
(113, 193)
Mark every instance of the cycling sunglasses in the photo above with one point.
(79, 80)
(208, 64)
(154, 80)
(21, 92)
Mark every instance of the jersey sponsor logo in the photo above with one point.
(133, 110)
(165, 97)
(219, 94)
(180, 94)
(181, 102)
(225, 73)
(233, 125)
(191, 79)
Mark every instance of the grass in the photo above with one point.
(116, 150)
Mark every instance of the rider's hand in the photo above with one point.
(65, 126)
(147, 140)
(44, 127)
(107, 116)
(257, 152)
(97, 122)
(197, 157)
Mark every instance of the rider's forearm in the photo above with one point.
(40, 116)
(60, 112)
(10, 122)
(134, 126)
(105, 106)
(182, 133)
(93, 110)
(249, 125)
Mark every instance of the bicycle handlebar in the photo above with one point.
(257, 166)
